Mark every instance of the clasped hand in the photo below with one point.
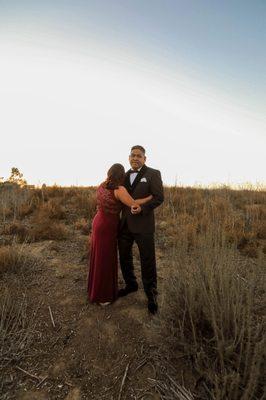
(135, 209)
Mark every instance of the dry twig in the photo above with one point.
(51, 315)
(29, 374)
(123, 381)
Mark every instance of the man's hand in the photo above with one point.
(135, 209)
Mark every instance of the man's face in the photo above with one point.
(137, 159)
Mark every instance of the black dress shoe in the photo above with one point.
(128, 289)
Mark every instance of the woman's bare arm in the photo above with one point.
(144, 200)
(122, 194)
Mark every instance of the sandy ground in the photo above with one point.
(92, 352)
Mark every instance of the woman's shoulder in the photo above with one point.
(121, 188)
(119, 192)
(102, 185)
(102, 188)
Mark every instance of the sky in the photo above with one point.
(81, 82)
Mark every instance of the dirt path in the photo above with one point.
(92, 352)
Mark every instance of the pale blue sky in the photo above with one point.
(82, 81)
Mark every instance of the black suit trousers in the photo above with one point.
(146, 246)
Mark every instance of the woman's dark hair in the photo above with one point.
(115, 176)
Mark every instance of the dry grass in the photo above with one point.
(212, 313)
(46, 222)
(84, 203)
(45, 229)
(187, 213)
(213, 243)
(17, 325)
(16, 259)
(83, 225)
(17, 322)
(213, 300)
(52, 209)
(17, 202)
(17, 229)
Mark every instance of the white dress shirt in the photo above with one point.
(133, 176)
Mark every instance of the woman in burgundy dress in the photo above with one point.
(103, 272)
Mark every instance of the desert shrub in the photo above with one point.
(212, 312)
(85, 204)
(45, 224)
(17, 202)
(53, 191)
(260, 230)
(27, 208)
(83, 225)
(188, 213)
(18, 229)
(17, 327)
(249, 248)
(48, 229)
(52, 209)
(18, 316)
(212, 304)
(16, 259)
(6, 211)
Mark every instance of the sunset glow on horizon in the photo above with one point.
(80, 85)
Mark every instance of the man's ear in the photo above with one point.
(145, 158)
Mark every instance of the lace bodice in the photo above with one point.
(106, 201)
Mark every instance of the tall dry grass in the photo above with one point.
(16, 259)
(17, 328)
(17, 320)
(212, 302)
(18, 202)
(188, 212)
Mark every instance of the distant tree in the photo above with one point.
(17, 177)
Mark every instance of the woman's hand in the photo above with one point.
(135, 209)
(122, 194)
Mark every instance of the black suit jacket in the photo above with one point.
(148, 181)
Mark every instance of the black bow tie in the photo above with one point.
(133, 172)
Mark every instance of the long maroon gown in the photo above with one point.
(103, 262)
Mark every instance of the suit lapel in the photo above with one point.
(138, 178)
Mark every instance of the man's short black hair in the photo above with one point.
(138, 147)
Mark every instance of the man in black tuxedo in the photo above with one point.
(137, 224)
